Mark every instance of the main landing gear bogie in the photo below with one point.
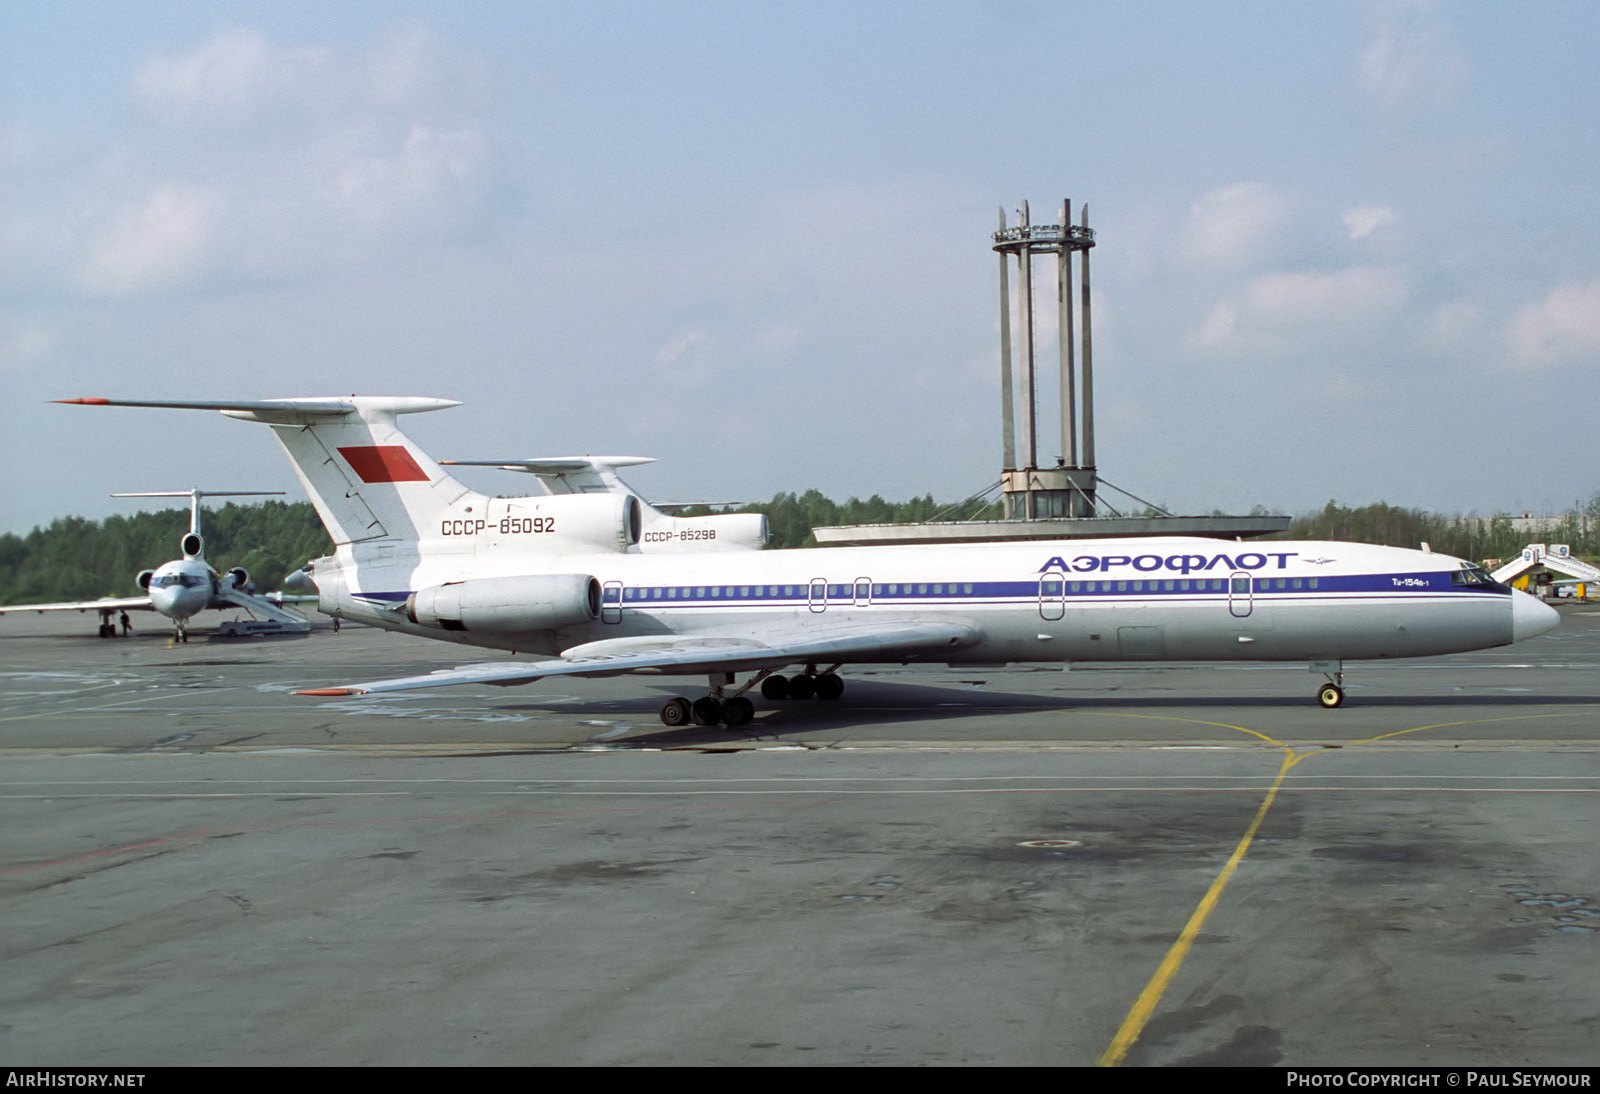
(824, 685)
(735, 710)
(708, 711)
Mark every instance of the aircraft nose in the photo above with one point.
(1530, 617)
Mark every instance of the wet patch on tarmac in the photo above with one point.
(1566, 912)
(1250, 1046)
(488, 890)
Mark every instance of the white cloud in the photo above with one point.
(1236, 225)
(1562, 328)
(24, 342)
(779, 338)
(165, 239)
(427, 170)
(1413, 57)
(1220, 329)
(233, 76)
(1457, 324)
(262, 161)
(1281, 311)
(685, 361)
(1362, 220)
(1349, 295)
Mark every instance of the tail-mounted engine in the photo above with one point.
(713, 532)
(560, 523)
(144, 578)
(240, 578)
(507, 605)
(192, 545)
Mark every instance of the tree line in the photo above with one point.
(76, 559)
(1473, 538)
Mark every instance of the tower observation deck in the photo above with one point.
(1068, 488)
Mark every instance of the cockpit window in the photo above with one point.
(1473, 575)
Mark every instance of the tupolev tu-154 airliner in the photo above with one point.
(565, 577)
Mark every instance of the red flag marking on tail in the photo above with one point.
(384, 463)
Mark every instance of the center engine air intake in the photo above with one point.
(507, 605)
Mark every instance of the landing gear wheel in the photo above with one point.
(775, 687)
(802, 687)
(706, 711)
(829, 686)
(1330, 695)
(675, 712)
(738, 711)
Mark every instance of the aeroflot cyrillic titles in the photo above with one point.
(1183, 564)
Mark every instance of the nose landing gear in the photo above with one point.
(1330, 694)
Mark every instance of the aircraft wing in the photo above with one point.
(689, 655)
(104, 604)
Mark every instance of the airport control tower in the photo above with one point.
(1065, 497)
(1067, 487)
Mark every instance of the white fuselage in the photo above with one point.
(1077, 600)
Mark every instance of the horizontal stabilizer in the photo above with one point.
(555, 465)
(281, 410)
(302, 406)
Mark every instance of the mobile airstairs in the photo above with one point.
(1555, 557)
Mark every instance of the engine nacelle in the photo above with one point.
(559, 523)
(303, 581)
(507, 605)
(193, 545)
(714, 532)
(144, 578)
(240, 578)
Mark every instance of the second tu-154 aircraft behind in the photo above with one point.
(186, 586)
(568, 578)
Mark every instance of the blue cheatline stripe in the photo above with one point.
(1049, 589)
(388, 597)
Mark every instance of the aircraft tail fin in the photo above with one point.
(367, 479)
(193, 545)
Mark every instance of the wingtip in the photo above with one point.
(331, 691)
(84, 402)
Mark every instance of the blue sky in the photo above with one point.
(1346, 250)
